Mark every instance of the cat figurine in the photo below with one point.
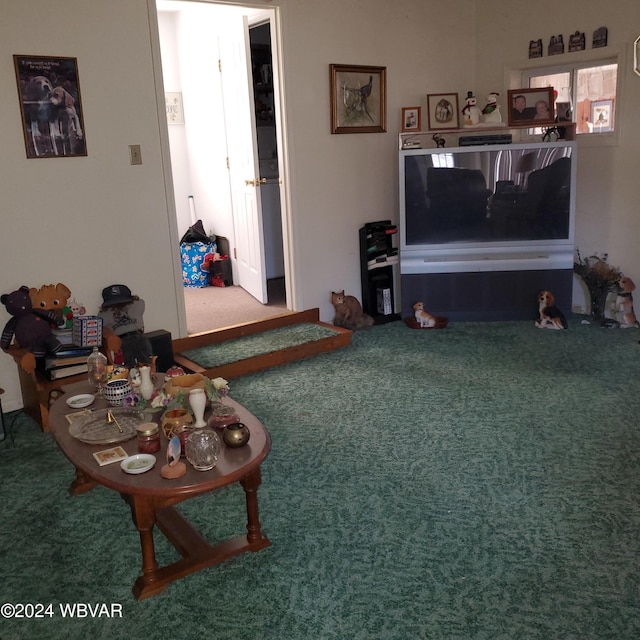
(349, 313)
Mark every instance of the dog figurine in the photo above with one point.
(550, 316)
(624, 303)
(423, 318)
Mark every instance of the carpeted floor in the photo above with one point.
(211, 308)
(263, 343)
(479, 482)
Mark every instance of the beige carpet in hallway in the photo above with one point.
(210, 308)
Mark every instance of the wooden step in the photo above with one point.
(340, 338)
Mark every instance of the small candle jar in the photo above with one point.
(148, 437)
(221, 416)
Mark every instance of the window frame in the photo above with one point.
(518, 77)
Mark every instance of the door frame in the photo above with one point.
(283, 161)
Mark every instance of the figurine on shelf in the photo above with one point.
(439, 140)
(471, 112)
(491, 112)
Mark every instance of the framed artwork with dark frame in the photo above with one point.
(411, 119)
(531, 107)
(602, 116)
(358, 99)
(442, 111)
(50, 106)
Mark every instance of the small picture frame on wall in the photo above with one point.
(50, 106)
(173, 105)
(531, 107)
(358, 99)
(602, 116)
(411, 119)
(442, 111)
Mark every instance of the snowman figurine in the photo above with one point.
(471, 112)
(491, 112)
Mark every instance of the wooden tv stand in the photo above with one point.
(38, 392)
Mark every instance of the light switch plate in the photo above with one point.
(135, 155)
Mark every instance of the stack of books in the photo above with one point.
(70, 360)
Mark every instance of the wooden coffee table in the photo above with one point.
(151, 497)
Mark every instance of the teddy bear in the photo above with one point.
(624, 303)
(54, 298)
(31, 328)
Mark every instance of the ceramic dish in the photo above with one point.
(96, 428)
(81, 401)
(139, 463)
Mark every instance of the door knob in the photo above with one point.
(263, 181)
(250, 183)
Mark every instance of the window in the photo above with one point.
(586, 93)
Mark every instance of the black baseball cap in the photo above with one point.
(116, 294)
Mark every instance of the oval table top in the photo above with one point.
(233, 463)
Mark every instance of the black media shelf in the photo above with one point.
(378, 260)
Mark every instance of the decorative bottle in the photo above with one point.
(97, 368)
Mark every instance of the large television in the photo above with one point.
(489, 208)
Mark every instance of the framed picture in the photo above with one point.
(442, 109)
(411, 120)
(531, 107)
(563, 111)
(358, 99)
(50, 105)
(602, 116)
(173, 104)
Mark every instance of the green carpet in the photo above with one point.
(479, 482)
(216, 355)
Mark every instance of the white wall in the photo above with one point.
(96, 220)
(607, 218)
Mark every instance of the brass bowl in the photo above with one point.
(236, 434)
(174, 421)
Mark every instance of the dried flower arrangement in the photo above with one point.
(600, 279)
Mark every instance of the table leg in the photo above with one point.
(250, 484)
(82, 483)
(196, 552)
(144, 517)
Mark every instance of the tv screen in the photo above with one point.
(502, 194)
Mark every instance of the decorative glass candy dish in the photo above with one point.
(202, 449)
(106, 426)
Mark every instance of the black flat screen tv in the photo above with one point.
(484, 205)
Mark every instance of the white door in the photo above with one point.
(244, 173)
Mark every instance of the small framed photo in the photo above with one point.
(411, 120)
(358, 99)
(442, 110)
(531, 107)
(563, 111)
(602, 116)
(50, 106)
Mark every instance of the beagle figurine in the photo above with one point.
(550, 316)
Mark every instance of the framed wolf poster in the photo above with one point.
(50, 105)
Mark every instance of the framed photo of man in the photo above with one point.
(531, 107)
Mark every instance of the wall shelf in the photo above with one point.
(405, 136)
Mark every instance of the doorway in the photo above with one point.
(195, 39)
